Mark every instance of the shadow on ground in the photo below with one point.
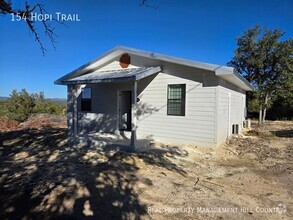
(283, 133)
(42, 178)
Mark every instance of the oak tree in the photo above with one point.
(266, 62)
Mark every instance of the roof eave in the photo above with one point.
(170, 59)
(110, 55)
(98, 61)
(227, 73)
(231, 75)
(139, 76)
(115, 80)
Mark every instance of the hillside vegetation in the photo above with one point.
(21, 105)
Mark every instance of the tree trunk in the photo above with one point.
(264, 115)
(260, 106)
(265, 108)
(260, 116)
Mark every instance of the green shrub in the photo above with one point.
(21, 105)
(2, 109)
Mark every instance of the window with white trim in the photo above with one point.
(176, 100)
(86, 99)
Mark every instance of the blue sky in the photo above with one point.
(197, 30)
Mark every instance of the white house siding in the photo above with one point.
(198, 124)
(136, 61)
(207, 105)
(236, 106)
(114, 65)
(103, 117)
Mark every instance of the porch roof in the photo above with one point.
(120, 75)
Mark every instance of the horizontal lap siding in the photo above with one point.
(97, 122)
(236, 114)
(114, 65)
(196, 127)
(223, 118)
(103, 117)
(237, 108)
(205, 123)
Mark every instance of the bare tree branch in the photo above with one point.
(145, 3)
(26, 15)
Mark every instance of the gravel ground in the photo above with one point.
(249, 177)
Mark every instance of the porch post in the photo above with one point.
(133, 114)
(75, 87)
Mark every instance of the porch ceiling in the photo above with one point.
(121, 75)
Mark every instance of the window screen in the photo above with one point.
(86, 99)
(176, 100)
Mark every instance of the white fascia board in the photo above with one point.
(231, 75)
(224, 70)
(92, 65)
(119, 50)
(170, 59)
(227, 73)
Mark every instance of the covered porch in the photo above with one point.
(112, 116)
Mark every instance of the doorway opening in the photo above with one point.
(124, 110)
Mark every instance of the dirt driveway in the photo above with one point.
(250, 177)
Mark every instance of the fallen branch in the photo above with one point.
(196, 181)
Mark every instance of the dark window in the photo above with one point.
(86, 99)
(176, 100)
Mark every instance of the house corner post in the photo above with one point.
(71, 114)
(75, 111)
(133, 115)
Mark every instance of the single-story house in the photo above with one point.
(153, 96)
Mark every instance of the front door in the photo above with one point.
(124, 110)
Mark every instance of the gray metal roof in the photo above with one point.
(131, 74)
(227, 73)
